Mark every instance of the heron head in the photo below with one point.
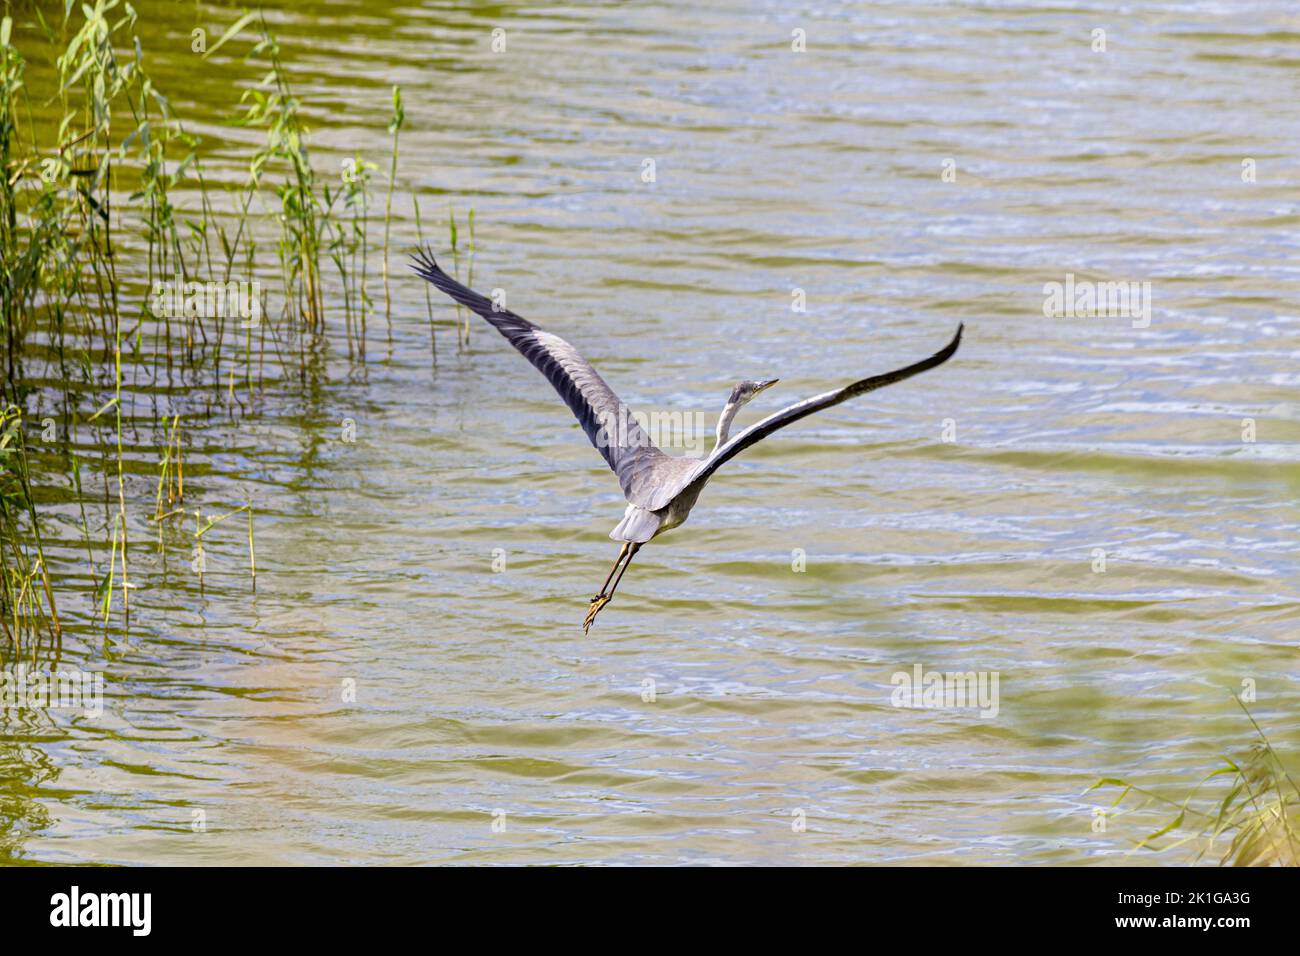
(746, 390)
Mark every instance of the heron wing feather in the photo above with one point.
(608, 422)
(790, 414)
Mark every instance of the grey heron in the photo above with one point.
(660, 489)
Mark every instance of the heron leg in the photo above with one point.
(630, 555)
(617, 561)
(600, 600)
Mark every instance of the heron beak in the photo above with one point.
(764, 386)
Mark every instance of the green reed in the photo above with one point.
(303, 216)
(91, 226)
(26, 597)
(349, 246)
(428, 296)
(1257, 813)
(394, 128)
(453, 237)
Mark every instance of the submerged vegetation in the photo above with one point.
(127, 272)
(1252, 822)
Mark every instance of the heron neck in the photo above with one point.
(724, 422)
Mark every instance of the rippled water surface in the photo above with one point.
(477, 693)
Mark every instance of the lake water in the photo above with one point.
(438, 567)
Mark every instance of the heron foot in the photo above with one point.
(598, 602)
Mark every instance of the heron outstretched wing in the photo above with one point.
(791, 413)
(603, 416)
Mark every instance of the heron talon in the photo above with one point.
(598, 602)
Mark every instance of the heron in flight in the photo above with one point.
(660, 489)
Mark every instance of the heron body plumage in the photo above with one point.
(638, 525)
(660, 489)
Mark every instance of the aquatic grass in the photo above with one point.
(92, 225)
(453, 237)
(305, 210)
(1258, 812)
(349, 246)
(121, 478)
(394, 128)
(26, 595)
(202, 528)
(13, 284)
(171, 477)
(252, 552)
(428, 298)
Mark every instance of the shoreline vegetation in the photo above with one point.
(126, 271)
(1256, 816)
